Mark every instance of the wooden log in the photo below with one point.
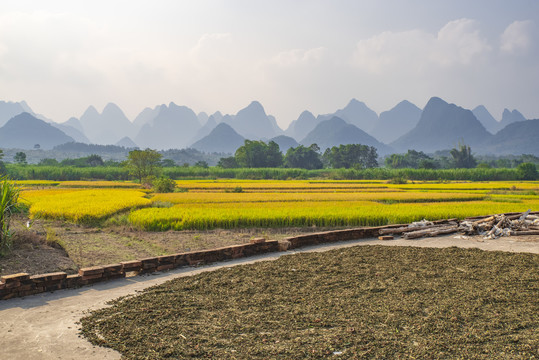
(523, 216)
(529, 232)
(498, 226)
(431, 232)
(407, 229)
(487, 219)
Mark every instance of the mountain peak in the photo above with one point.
(336, 131)
(90, 111)
(255, 107)
(222, 139)
(442, 126)
(24, 130)
(112, 107)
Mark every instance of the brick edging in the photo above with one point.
(23, 284)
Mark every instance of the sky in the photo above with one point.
(211, 55)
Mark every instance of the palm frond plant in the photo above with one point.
(9, 198)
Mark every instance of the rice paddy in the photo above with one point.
(226, 204)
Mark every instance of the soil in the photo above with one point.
(361, 302)
(49, 246)
(45, 326)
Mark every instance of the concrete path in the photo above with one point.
(45, 326)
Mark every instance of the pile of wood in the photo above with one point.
(495, 226)
(490, 227)
(423, 228)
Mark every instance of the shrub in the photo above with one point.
(527, 171)
(163, 185)
(9, 198)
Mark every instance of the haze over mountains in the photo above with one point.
(438, 126)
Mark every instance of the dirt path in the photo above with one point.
(45, 326)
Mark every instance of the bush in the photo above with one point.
(163, 185)
(9, 198)
(527, 171)
(237, 189)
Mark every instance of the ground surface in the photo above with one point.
(50, 246)
(360, 302)
(45, 326)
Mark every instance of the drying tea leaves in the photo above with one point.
(361, 302)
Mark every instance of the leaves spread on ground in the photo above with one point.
(361, 302)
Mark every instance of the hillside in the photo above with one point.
(521, 137)
(24, 131)
(222, 139)
(336, 131)
(443, 126)
(172, 128)
(396, 122)
(284, 142)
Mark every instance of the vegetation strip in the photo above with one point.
(361, 302)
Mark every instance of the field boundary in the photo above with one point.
(24, 284)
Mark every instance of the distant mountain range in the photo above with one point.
(438, 126)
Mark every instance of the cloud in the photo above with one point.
(299, 57)
(457, 43)
(211, 47)
(517, 37)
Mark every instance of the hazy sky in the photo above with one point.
(62, 56)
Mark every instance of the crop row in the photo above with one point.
(292, 214)
(393, 196)
(82, 206)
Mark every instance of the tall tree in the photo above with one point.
(257, 154)
(303, 157)
(143, 163)
(462, 157)
(20, 158)
(352, 155)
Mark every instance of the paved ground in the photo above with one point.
(45, 326)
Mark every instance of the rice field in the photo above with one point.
(227, 204)
(82, 205)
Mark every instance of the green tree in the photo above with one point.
(143, 163)
(20, 158)
(257, 154)
(163, 185)
(94, 160)
(303, 157)
(462, 157)
(412, 159)
(352, 156)
(227, 163)
(9, 198)
(48, 162)
(202, 164)
(527, 171)
(168, 163)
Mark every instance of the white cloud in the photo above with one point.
(457, 43)
(299, 57)
(517, 37)
(210, 47)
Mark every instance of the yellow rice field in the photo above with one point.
(82, 205)
(208, 204)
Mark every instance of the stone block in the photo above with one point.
(89, 271)
(257, 240)
(135, 265)
(14, 277)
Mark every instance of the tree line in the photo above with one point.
(258, 154)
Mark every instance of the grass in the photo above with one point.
(361, 302)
